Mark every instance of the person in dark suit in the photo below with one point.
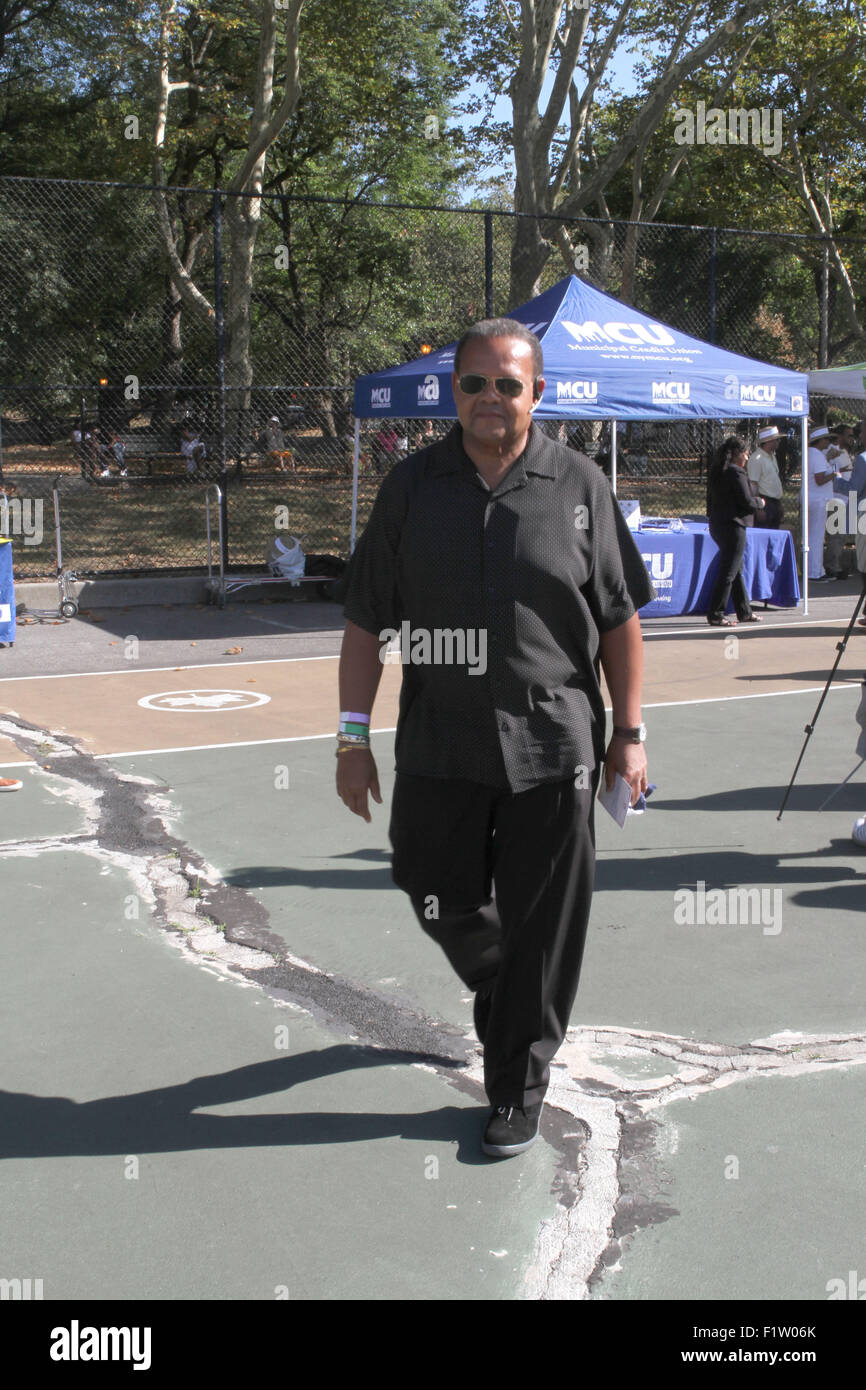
(731, 507)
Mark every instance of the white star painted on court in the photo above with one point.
(203, 701)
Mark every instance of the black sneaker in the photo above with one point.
(511, 1130)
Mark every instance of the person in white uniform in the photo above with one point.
(857, 483)
(838, 526)
(857, 480)
(821, 476)
(763, 471)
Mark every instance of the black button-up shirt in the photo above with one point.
(500, 597)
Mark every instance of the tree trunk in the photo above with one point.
(629, 264)
(529, 255)
(172, 356)
(243, 220)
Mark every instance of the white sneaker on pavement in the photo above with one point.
(9, 784)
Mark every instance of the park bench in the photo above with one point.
(153, 450)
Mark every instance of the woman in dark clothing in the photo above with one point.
(731, 508)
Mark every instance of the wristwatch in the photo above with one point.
(637, 735)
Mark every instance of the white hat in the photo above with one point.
(820, 433)
(275, 417)
(770, 433)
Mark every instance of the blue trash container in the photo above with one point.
(7, 592)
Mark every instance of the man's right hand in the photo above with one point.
(356, 775)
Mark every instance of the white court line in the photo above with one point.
(309, 738)
(705, 631)
(197, 747)
(148, 670)
(755, 628)
(844, 683)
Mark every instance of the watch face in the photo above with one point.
(636, 735)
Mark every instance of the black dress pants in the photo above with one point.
(502, 881)
(731, 540)
(770, 516)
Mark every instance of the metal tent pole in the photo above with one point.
(613, 455)
(804, 507)
(221, 381)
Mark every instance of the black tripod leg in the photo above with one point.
(840, 649)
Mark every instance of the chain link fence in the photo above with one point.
(131, 396)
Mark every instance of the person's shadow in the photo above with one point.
(164, 1120)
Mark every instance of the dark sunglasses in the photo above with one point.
(471, 384)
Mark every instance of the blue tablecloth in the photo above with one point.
(7, 593)
(682, 565)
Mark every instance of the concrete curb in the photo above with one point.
(116, 593)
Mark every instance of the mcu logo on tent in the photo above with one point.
(428, 391)
(676, 391)
(757, 394)
(632, 334)
(577, 391)
(380, 398)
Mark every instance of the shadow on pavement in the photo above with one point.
(727, 867)
(804, 797)
(162, 1120)
(281, 876)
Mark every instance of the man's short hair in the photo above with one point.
(502, 328)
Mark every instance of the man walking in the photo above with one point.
(500, 542)
(763, 471)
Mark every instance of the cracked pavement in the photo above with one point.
(703, 1020)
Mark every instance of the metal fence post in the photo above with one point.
(488, 265)
(221, 369)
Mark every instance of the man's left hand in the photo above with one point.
(629, 760)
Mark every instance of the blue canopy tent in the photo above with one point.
(604, 360)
